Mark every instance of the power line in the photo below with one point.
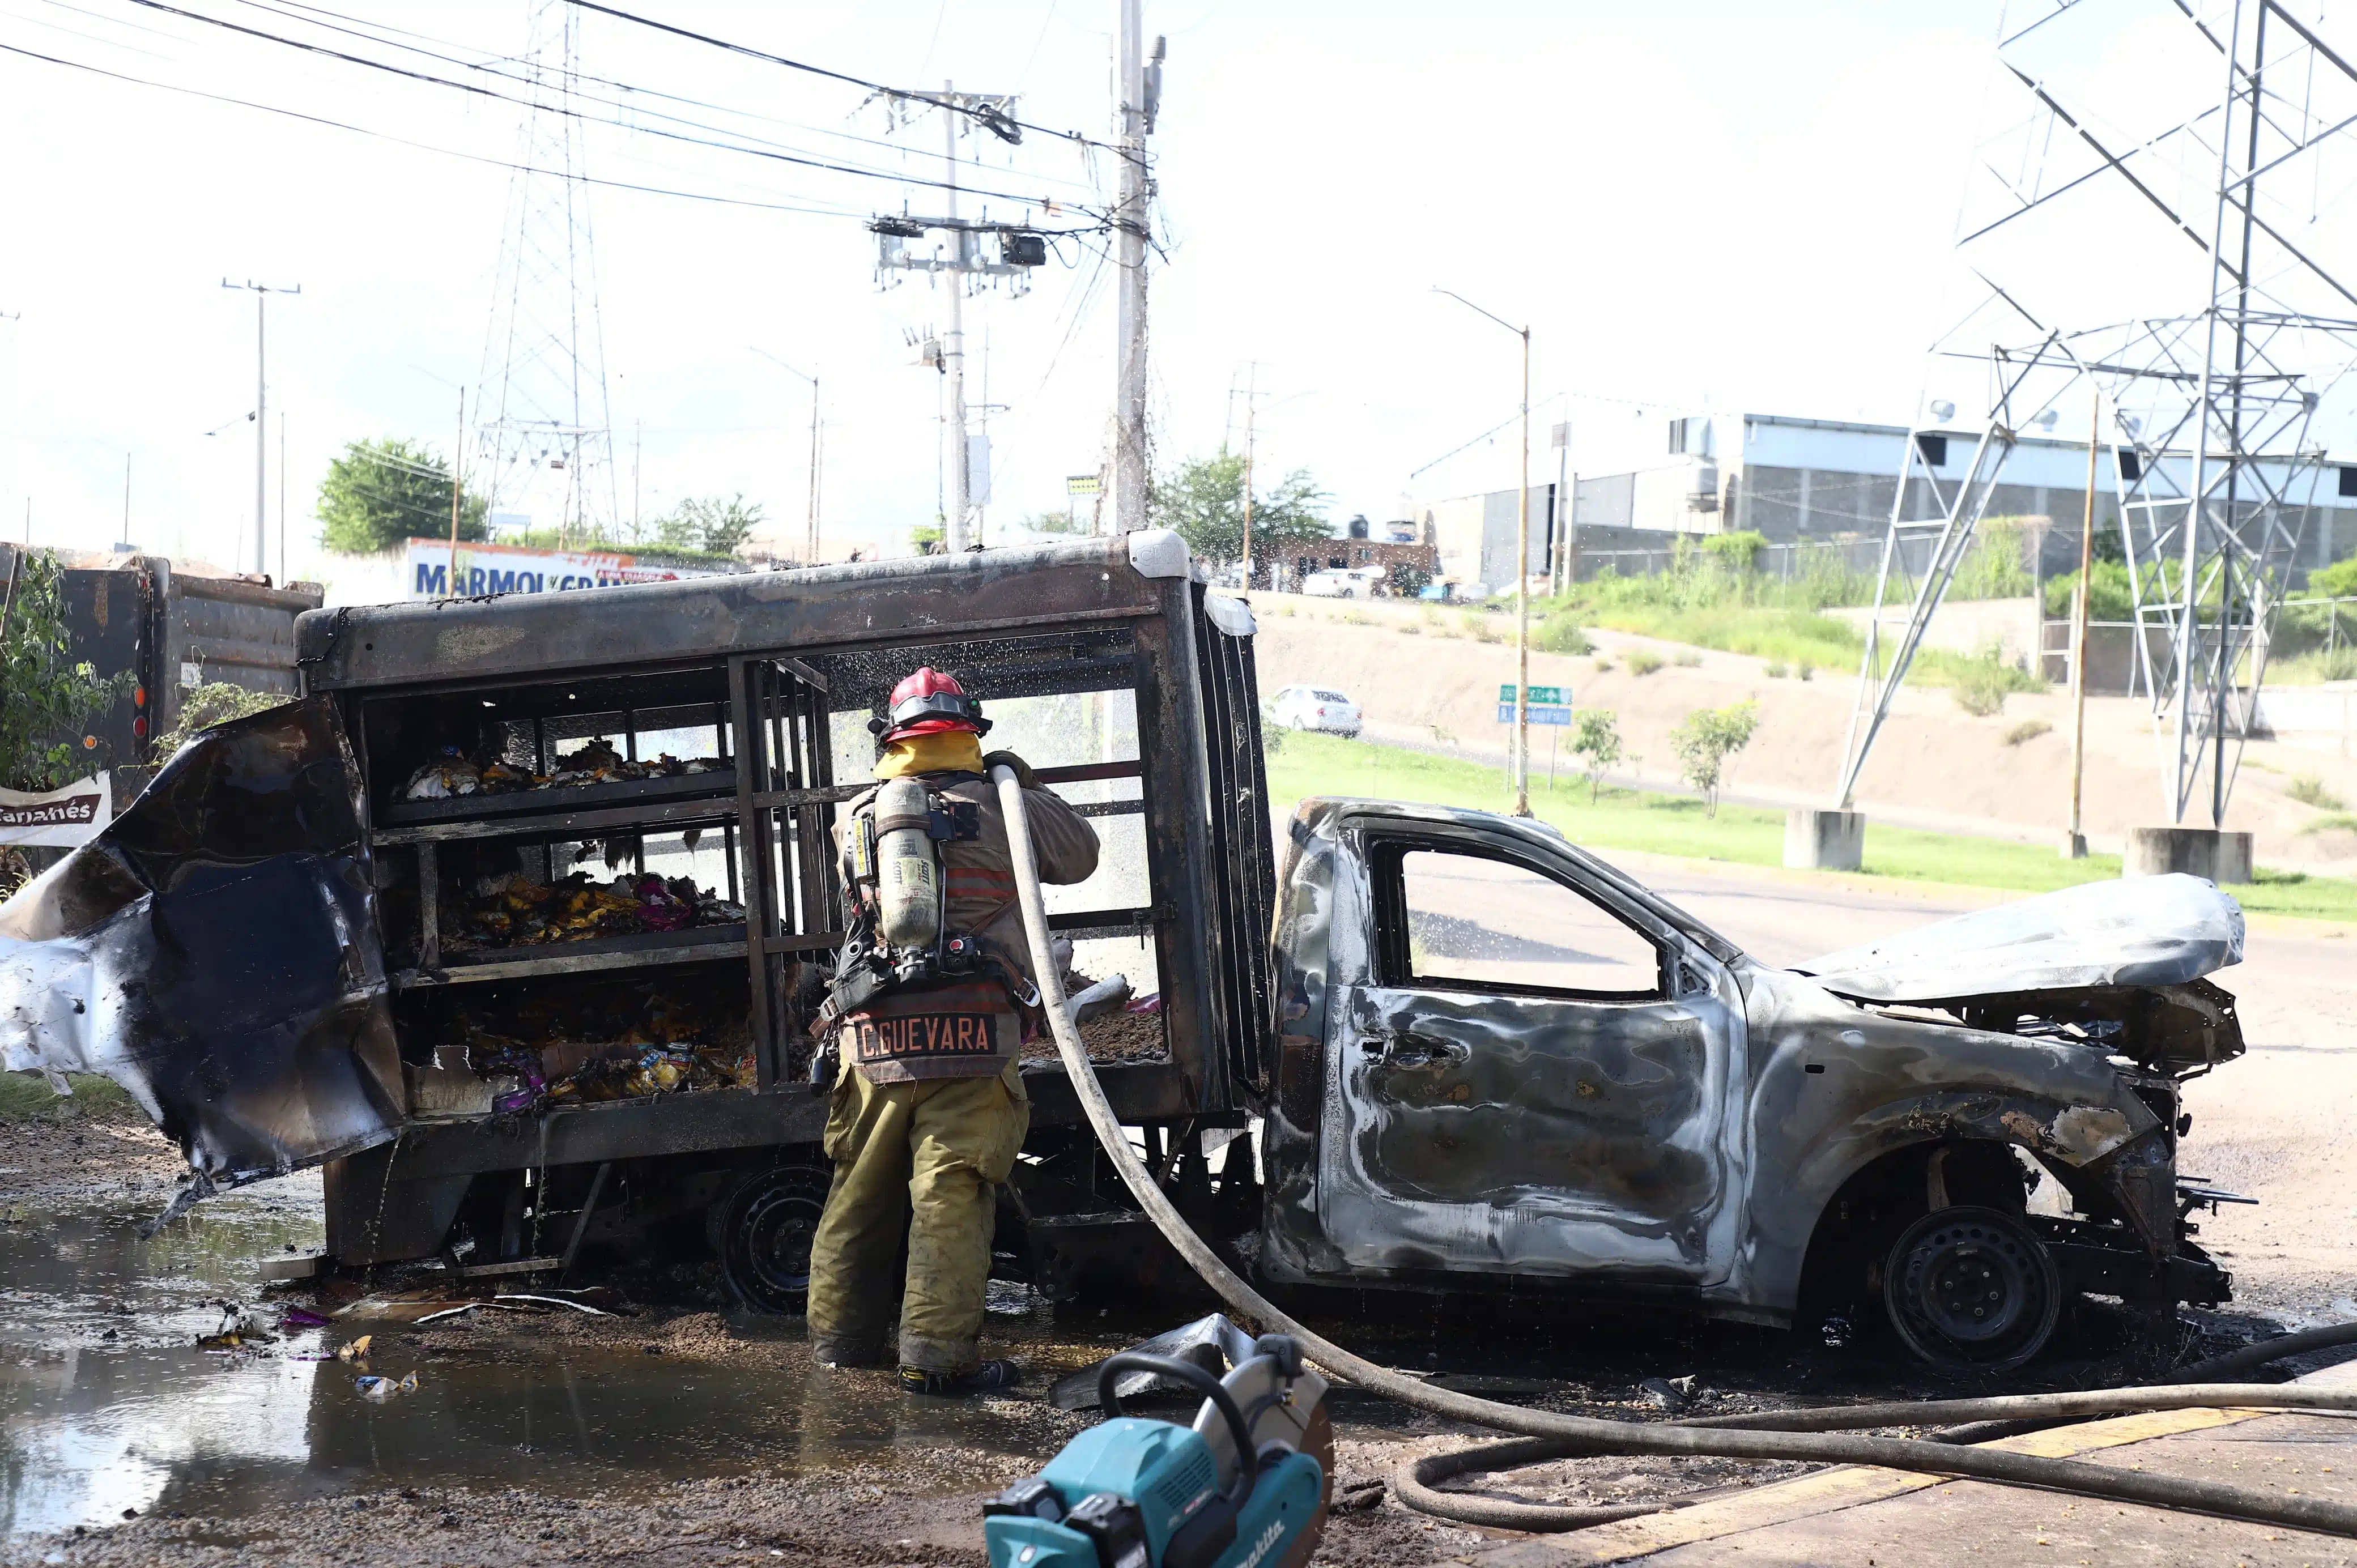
(997, 121)
(823, 165)
(309, 14)
(484, 159)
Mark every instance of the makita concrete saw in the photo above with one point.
(1245, 1487)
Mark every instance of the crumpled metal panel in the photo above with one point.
(214, 952)
(2151, 931)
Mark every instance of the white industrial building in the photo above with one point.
(1809, 481)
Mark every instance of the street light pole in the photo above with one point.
(810, 551)
(262, 293)
(1522, 749)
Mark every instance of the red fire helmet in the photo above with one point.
(926, 702)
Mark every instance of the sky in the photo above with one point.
(1695, 205)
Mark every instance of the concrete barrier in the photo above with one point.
(2221, 856)
(1817, 839)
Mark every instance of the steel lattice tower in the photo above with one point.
(2211, 172)
(543, 436)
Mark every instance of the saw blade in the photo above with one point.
(1317, 1441)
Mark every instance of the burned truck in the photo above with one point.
(513, 922)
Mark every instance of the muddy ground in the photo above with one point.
(668, 1428)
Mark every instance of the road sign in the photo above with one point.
(1556, 713)
(1548, 696)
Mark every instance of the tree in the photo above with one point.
(710, 524)
(1204, 500)
(1597, 739)
(380, 492)
(1705, 740)
(44, 694)
(1055, 522)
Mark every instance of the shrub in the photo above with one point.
(214, 702)
(1643, 663)
(1704, 741)
(1807, 671)
(2309, 790)
(1603, 665)
(1689, 659)
(1984, 683)
(1561, 634)
(2027, 730)
(1597, 742)
(1775, 670)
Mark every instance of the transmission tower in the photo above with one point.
(545, 442)
(2150, 216)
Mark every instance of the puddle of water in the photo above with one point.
(90, 1427)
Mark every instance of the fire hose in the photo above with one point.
(1823, 1436)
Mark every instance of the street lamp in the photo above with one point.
(810, 550)
(1521, 570)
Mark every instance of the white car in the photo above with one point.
(1316, 708)
(1343, 583)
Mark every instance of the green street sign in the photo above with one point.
(1541, 696)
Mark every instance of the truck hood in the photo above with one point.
(2154, 931)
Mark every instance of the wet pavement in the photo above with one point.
(108, 1403)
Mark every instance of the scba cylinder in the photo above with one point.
(907, 866)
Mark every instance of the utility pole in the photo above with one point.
(1020, 248)
(282, 498)
(1522, 747)
(2076, 846)
(954, 343)
(809, 552)
(1251, 398)
(1560, 563)
(262, 293)
(127, 497)
(458, 493)
(638, 436)
(1137, 99)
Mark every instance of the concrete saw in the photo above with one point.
(1245, 1487)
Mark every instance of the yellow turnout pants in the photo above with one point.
(930, 1154)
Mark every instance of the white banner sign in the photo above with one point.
(512, 569)
(61, 818)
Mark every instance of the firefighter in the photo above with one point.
(929, 1108)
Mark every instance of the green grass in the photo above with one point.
(1747, 835)
(26, 1097)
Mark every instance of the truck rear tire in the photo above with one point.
(1972, 1290)
(762, 1229)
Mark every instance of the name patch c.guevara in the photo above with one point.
(925, 1037)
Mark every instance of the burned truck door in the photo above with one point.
(1534, 1077)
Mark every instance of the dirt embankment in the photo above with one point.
(1422, 682)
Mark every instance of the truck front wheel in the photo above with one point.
(762, 1228)
(1972, 1290)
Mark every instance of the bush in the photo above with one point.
(1984, 683)
(1688, 660)
(214, 702)
(1707, 739)
(2113, 600)
(2309, 790)
(1807, 671)
(1603, 665)
(1993, 566)
(2337, 581)
(1773, 670)
(1561, 634)
(2027, 730)
(1643, 663)
(1407, 581)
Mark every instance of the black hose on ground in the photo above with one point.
(2250, 1357)
(1729, 1438)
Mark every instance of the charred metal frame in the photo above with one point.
(784, 650)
